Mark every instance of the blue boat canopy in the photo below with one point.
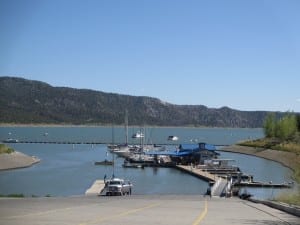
(200, 146)
(184, 150)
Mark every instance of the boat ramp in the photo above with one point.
(96, 188)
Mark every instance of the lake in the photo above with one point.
(67, 169)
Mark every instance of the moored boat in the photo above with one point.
(104, 162)
(11, 140)
(172, 138)
(127, 164)
(138, 135)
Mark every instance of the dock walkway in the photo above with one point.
(219, 182)
(198, 173)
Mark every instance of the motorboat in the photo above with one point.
(138, 135)
(104, 162)
(173, 138)
(11, 140)
(127, 164)
(140, 158)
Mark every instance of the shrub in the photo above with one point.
(5, 149)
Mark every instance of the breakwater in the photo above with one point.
(65, 142)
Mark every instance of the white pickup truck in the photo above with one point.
(116, 186)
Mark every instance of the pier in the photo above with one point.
(198, 173)
(96, 142)
(263, 184)
(222, 183)
(54, 142)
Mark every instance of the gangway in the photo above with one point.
(220, 187)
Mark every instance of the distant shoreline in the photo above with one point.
(112, 125)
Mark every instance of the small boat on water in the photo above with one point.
(138, 135)
(104, 162)
(172, 138)
(140, 158)
(127, 164)
(11, 140)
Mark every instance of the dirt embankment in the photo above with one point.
(287, 159)
(16, 160)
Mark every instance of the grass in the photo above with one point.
(5, 149)
(275, 144)
(286, 146)
(293, 199)
(289, 147)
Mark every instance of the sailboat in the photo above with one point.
(122, 150)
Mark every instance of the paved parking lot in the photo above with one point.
(136, 210)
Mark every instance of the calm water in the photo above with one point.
(217, 136)
(67, 170)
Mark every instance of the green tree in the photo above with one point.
(287, 127)
(298, 122)
(284, 129)
(270, 125)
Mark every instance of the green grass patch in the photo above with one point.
(292, 199)
(275, 144)
(5, 149)
(264, 143)
(288, 147)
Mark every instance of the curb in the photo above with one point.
(291, 209)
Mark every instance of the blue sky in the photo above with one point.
(240, 54)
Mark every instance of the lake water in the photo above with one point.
(67, 169)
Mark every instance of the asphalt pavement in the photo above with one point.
(139, 209)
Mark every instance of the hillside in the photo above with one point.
(25, 101)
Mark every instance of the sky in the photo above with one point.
(241, 54)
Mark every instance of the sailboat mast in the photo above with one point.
(126, 127)
(113, 134)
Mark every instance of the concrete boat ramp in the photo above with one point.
(139, 209)
(96, 188)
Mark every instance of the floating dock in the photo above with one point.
(214, 177)
(262, 184)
